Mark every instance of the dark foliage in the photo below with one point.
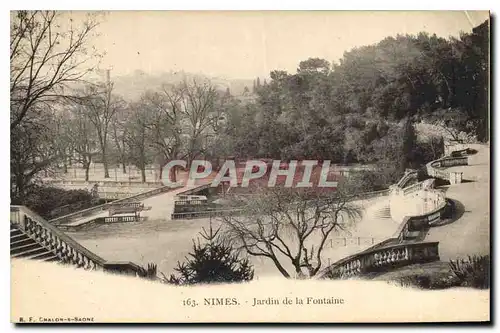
(428, 282)
(472, 272)
(149, 272)
(362, 108)
(51, 202)
(213, 262)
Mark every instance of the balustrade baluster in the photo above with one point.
(393, 256)
(80, 260)
(384, 258)
(48, 244)
(64, 251)
(59, 248)
(74, 256)
(37, 232)
(45, 236)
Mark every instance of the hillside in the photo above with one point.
(131, 86)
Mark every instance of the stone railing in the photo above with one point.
(437, 169)
(97, 222)
(113, 195)
(457, 146)
(383, 259)
(408, 176)
(96, 209)
(66, 248)
(206, 213)
(401, 249)
(63, 246)
(104, 183)
(402, 240)
(407, 190)
(374, 194)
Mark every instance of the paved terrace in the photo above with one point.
(470, 233)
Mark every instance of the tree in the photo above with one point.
(82, 137)
(314, 66)
(47, 54)
(164, 125)
(101, 106)
(136, 137)
(292, 225)
(118, 134)
(198, 112)
(32, 150)
(216, 261)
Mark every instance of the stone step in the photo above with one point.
(15, 232)
(21, 242)
(384, 212)
(17, 238)
(24, 248)
(47, 255)
(28, 253)
(52, 258)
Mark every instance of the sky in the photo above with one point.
(244, 45)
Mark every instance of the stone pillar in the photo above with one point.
(455, 177)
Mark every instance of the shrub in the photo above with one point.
(149, 272)
(51, 202)
(428, 281)
(213, 262)
(472, 272)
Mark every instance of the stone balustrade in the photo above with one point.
(206, 213)
(402, 249)
(407, 177)
(106, 183)
(428, 205)
(64, 247)
(103, 207)
(384, 259)
(437, 169)
(374, 194)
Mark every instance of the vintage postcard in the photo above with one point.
(250, 166)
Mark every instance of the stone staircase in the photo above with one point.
(23, 246)
(32, 237)
(383, 213)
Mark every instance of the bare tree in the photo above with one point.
(292, 225)
(118, 134)
(101, 106)
(164, 132)
(198, 107)
(47, 54)
(136, 136)
(82, 137)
